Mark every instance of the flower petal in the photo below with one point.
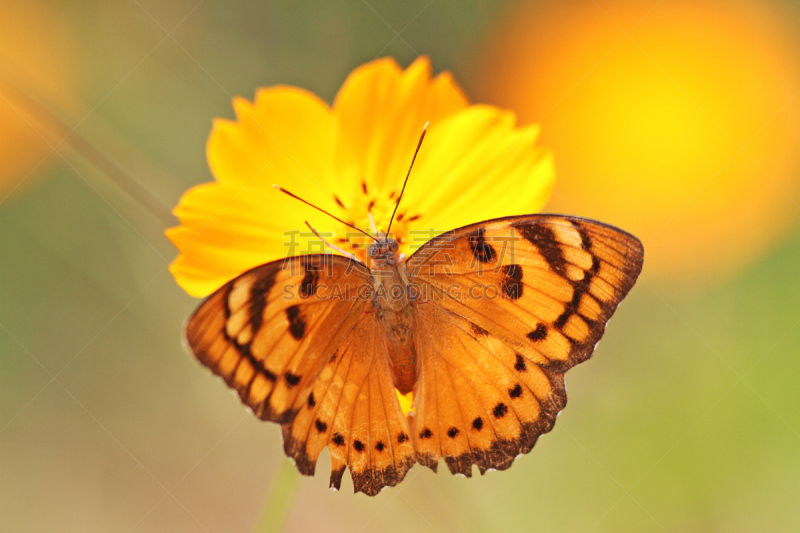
(225, 232)
(476, 165)
(221, 236)
(380, 112)
(285, 137)
(240, 221)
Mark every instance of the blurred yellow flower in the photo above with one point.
(678, 121)
(351, 159)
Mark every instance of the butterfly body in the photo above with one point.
(480, 323)
(394, 306)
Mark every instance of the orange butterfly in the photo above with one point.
(481, 323)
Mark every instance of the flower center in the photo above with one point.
(359, 207)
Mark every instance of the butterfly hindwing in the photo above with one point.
(505, 308)
(268, 331)
(353, 409)
(476, 403)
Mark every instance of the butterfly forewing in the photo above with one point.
(504, 308)
(267, 332)
(546, 284)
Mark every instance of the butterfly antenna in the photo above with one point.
(422, 136)
(284, 191)
(320, 237)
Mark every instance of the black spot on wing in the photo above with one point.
(244, 351)
(226, 300)
(321, 426)
(311, 401)
(297, 324)
(380, 446)
(296, 449)
(452, 432)
(545, 241)
(402, 437)
(372, 479)
(516, 392)
(586, 241)
(425, 433)
(520, 366)
(338, 439)
(538, 334)
(482, 250)
(258, 300)
(309, 284)
(571, 307)
(291, 379)
(579, 287)
(512, 283)
(502, 452)
(478, 331)
(477, 424)
(500, 410)
(336, 478)
(267, 373)
(358, 445)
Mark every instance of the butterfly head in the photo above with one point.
(384, 250)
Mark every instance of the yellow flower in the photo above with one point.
(351, 159)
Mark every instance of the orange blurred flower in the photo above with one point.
(38, 56)
(678, 121)
(352, 157)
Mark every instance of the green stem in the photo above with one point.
(279, 500)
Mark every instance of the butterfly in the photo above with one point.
(481, 323)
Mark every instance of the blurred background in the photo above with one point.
(677, 120)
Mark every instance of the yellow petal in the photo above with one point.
(221, 236)
(476, 165)
(225, 232)
(380, 112)
(285, 137)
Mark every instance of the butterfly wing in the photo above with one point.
(298, 340)
(352, 408)
(505, 307)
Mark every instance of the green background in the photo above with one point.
(686, 419)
